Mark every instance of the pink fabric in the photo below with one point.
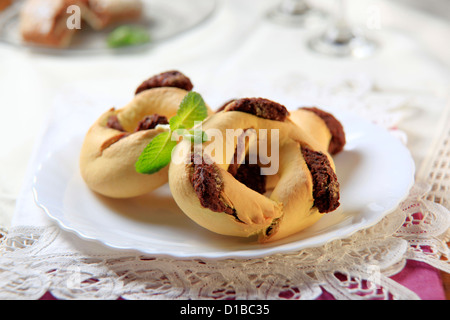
(423, 279)
(419, 277)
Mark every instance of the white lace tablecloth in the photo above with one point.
(237, 53)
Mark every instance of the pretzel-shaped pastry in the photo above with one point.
(115, 141)
(233, 198)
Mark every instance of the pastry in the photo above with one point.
(102, 13)
(115, 141)
(231, 195)
(45, 22)
(309, 118)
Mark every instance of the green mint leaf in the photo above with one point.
(197, 136)
(157, 154)
(193, 135)
(127, 36)
(192, 109)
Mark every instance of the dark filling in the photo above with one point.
(325, 184)
(208, 185)
(246, 173)
(250, 175)
(260, 107)
(167, 79)
(113, 123)
(150, 122)
(273, 227)
(240, 149)
(336, 129)
(224, 105)
(234, 167)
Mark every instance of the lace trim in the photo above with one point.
(358, 267)
(437, 170)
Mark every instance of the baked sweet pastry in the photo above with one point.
(311, 118)
(101, 13)
(231, 195)
(44, 22)
(116, 140)
(4, 4)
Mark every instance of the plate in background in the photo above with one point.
(163, 19)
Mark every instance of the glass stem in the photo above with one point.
(293, 7)
(342, 21)
(341, 32)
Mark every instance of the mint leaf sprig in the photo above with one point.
(128, 35)
(192, 109)
(158, 152)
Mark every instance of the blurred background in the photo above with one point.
(440, 8)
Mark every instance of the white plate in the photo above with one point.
(163, 19)
(375, 171)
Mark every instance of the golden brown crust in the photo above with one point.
(116, 140)
(237, 208)
(338, 140)
(108, 155)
